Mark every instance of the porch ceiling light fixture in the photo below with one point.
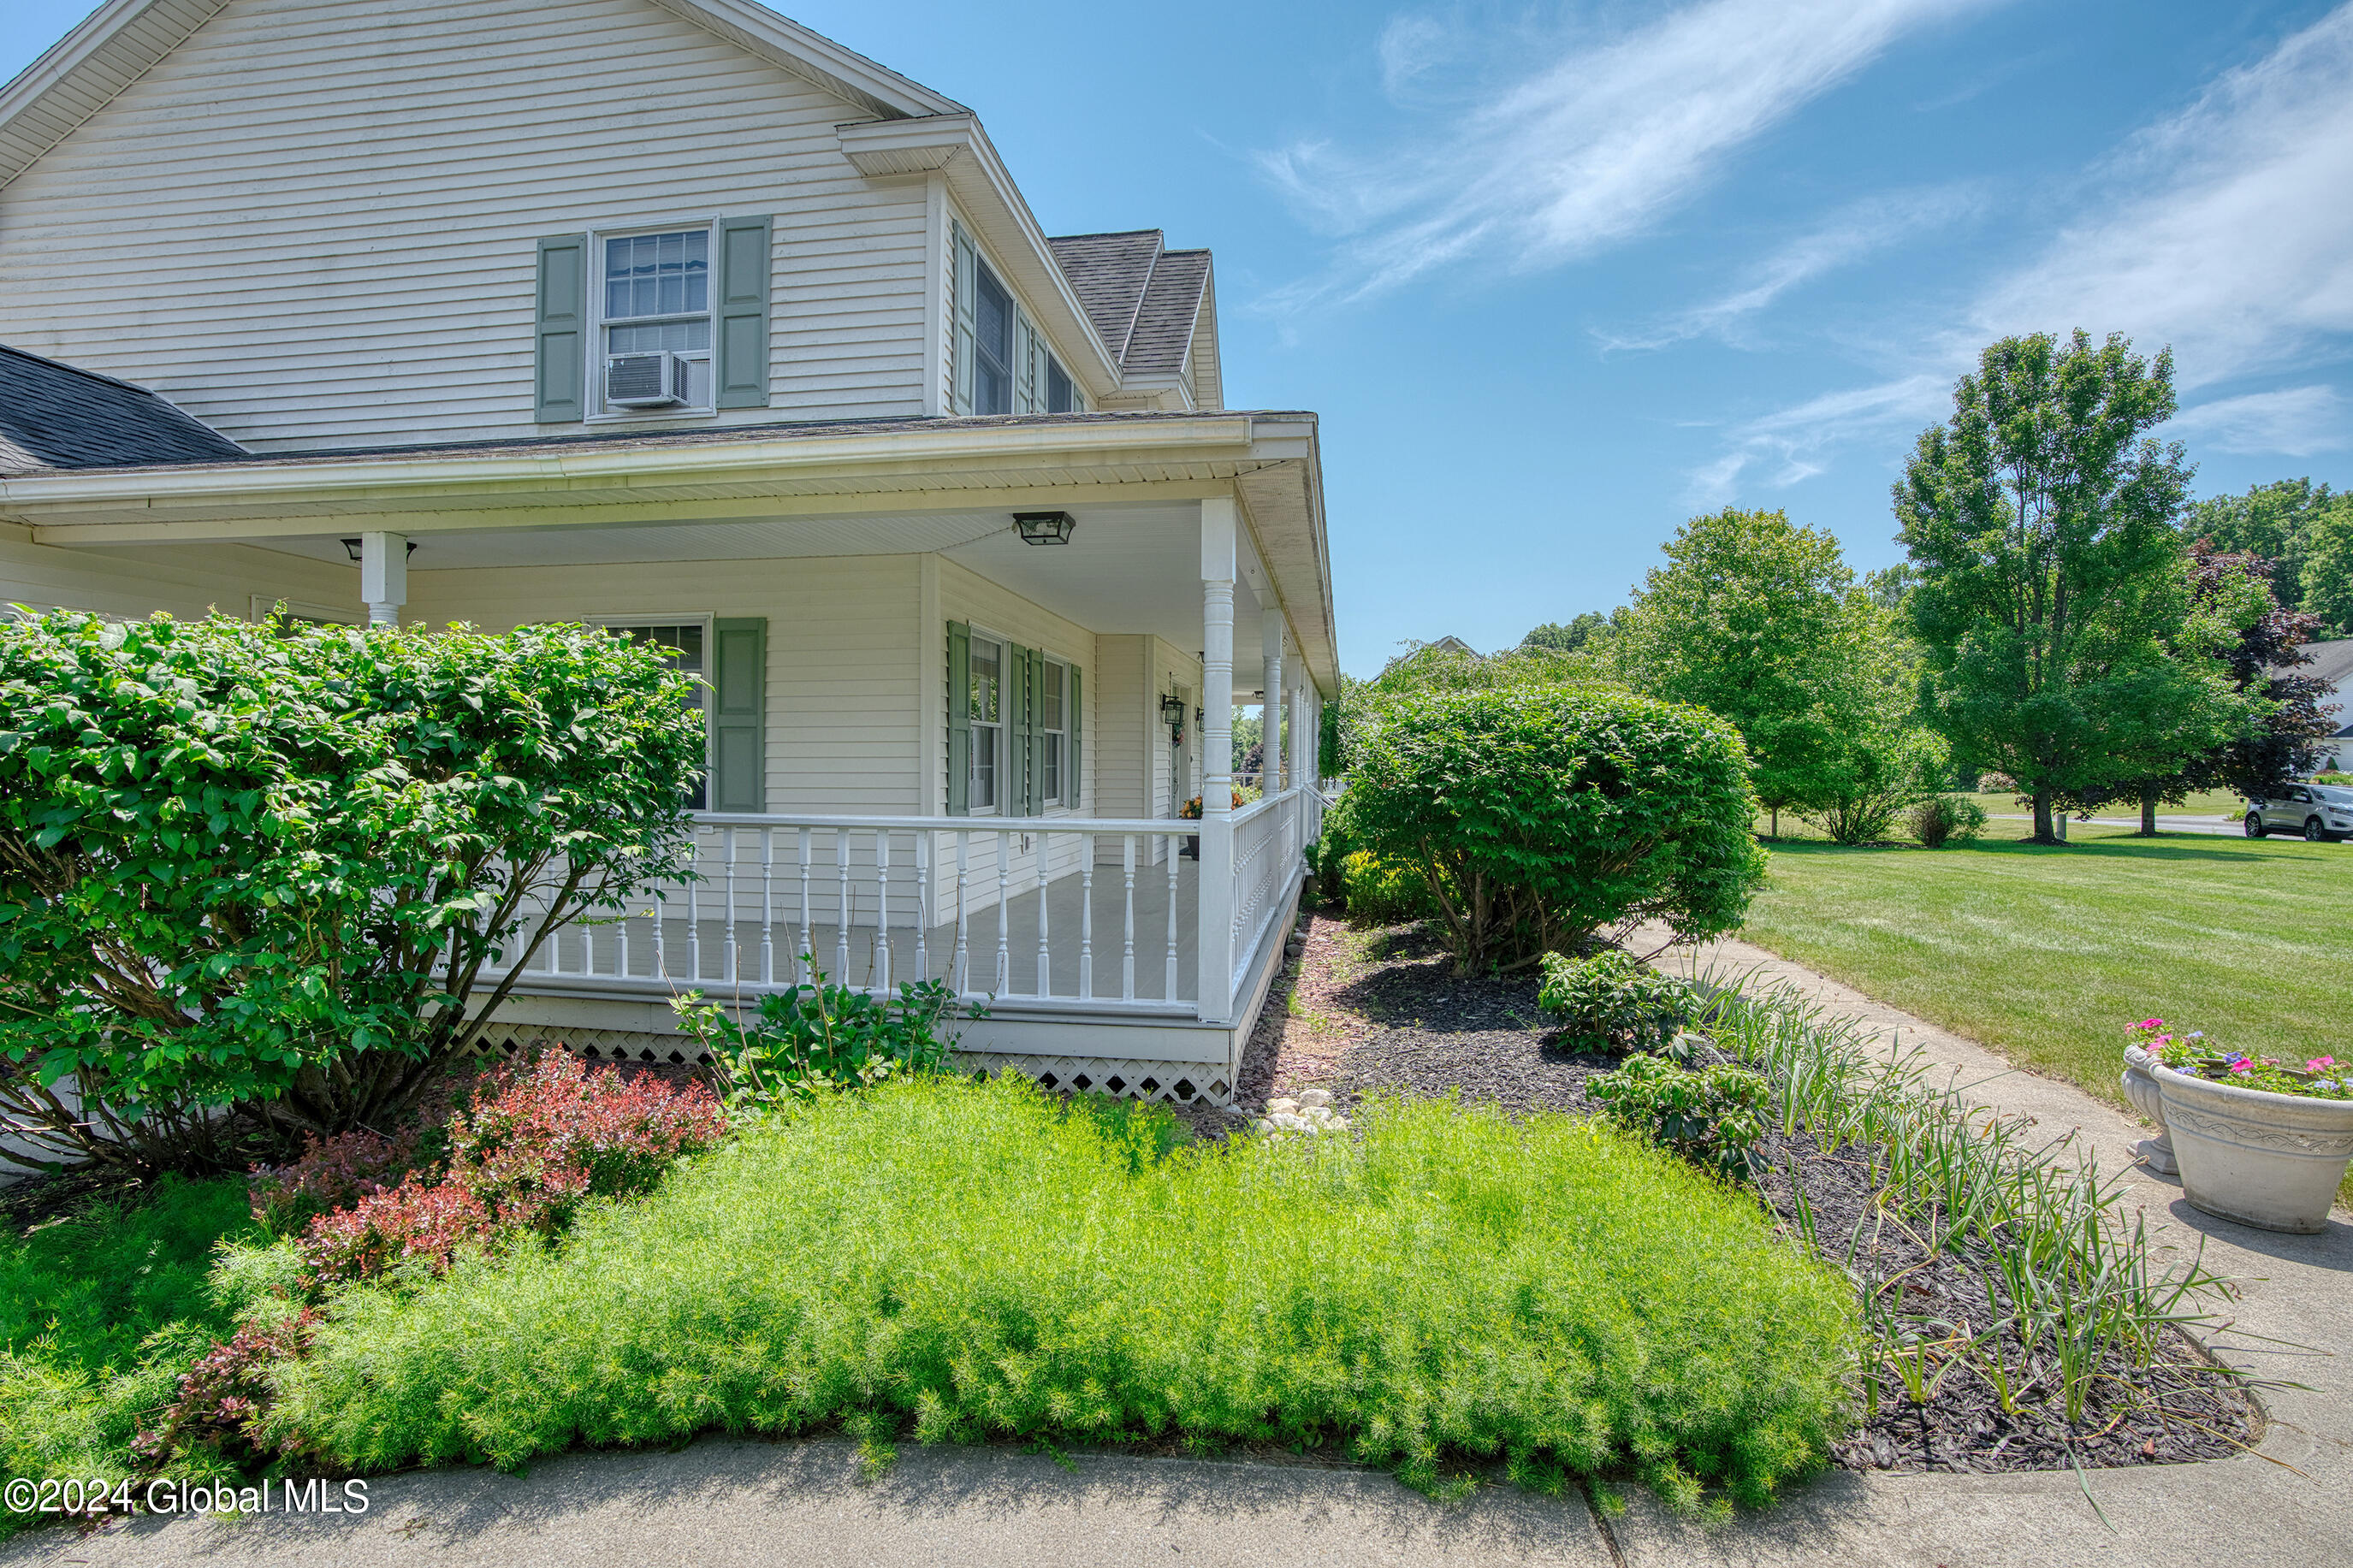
(1045, 527)
(353, 548)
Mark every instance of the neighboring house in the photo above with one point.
(673, 316)
(2333, 663)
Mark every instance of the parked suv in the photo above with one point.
(2321, 812)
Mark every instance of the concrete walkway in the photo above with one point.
(726, 1503)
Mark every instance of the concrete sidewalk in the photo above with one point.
(726, 1503)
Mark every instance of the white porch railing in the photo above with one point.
(1076, 914)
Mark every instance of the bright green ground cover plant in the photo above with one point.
(948, 1261)
(100, 1314)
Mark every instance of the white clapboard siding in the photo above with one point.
(1130, 709)
(185, 581)
(313, 223)
(843, 736)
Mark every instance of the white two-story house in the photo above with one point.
(673, 316)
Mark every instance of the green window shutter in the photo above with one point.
(964, 329)
(739, 687)
(1033, 749)
(959, 719)
(560, 355)
(1072, 792)
(740, 378)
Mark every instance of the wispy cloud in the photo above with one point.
(2294, 422)
(1795, 443)
(2224, 232)
(1590, 148)
(1857, 233)
(2235, 240)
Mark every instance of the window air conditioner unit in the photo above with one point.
(655, 380)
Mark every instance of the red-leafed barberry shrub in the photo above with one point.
(223, 1394)
(534, 1143)
(337, 1172)
(416, 1220)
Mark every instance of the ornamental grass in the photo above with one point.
(943, 1261)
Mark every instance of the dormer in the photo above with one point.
(1156, 311)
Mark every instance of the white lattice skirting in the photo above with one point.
(1177, 1083)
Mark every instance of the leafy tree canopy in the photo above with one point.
(2044, 523)
(2305, 531)
(1567, 638)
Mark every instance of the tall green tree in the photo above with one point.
(1569, 637)
(2304, 529)
(2044, 523)
(1759, 620)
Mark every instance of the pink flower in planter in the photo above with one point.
(2316, 1063)
(2152, 1023)
(2242, 1064)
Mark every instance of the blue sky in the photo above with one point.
(1557, 277)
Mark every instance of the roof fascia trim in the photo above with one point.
(52, 76)
(814, 57)
(959, 148)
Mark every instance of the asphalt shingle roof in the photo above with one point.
(1142, 296)
(54, 416)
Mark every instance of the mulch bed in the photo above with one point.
(1365, 1012)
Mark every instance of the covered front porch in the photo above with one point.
(838, 586)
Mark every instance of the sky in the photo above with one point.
(1558, 276)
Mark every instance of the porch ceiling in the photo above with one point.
(946, 486)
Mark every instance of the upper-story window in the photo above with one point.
(1003, 365)
(657, 295)
(992, 333)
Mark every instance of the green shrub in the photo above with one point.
(1943, 818)
(1541, 815)
(1383, 892)
(819, 1038)
(958, 1262)
(240, 867)
(99, 1316)
(1860, 803)
(1712, 1116)
(1611, 1002)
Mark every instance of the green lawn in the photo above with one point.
(2046, 954)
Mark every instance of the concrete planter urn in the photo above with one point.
(2272, 1161)
(2141, 1089)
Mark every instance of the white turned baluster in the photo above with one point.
(661, 953)
(1173, 845)
(1045, 959)
(728, 841)
(767, 906)
(804, 949)
(923, 903)
(694, 916)
(1004, 914)
(882, 910)
(841, 923)
(1127, 919)
(961, 970)
(1086, 917)
(622, 931)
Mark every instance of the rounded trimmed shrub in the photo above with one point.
(1538, 816)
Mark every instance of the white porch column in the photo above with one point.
(1269, 722)
(1216, 944)
(383, 576)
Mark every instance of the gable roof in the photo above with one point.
(55, 416)
(2332, 661)
(1145, 298)
(117, 42)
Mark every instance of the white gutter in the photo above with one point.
(702, 462)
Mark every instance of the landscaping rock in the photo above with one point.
(1309, 1099)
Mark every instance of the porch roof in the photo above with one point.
(1268, 460)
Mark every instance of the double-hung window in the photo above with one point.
(656, 294)
(1053, 728)
(992, 332)
(984, 708)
